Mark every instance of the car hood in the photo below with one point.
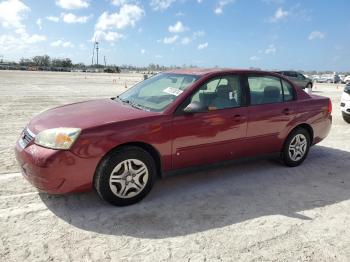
(86, 114)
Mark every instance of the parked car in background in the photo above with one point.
(319, 79)
(119, 146)
(327, 79)
(347, 79)
(297, 78)
(345, 103)
(334, 79)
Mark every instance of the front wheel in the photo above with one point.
(296, 147)
(125, 176)
(309, 86)
(346, 117)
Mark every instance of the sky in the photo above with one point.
(269, 34)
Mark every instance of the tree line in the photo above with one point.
(46, 61)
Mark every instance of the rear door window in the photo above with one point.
(265, 90)
(288, 91)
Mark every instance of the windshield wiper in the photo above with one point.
(132, 103)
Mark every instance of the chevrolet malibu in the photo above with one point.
(174, 120)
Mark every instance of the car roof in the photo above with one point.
(206, 71)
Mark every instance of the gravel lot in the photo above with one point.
(249, 211)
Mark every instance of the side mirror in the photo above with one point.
(195, 107)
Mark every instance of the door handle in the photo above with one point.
(286, 111)
(237, 118)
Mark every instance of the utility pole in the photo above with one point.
(93, 55)
(97, 53)
(104, 57)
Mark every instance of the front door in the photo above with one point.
(217, 132)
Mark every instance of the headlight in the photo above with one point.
(57, 138)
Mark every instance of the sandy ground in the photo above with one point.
(248, 211)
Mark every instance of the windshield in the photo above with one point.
(157, 92)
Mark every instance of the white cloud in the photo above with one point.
(177, 28)
(72, 4)
(109, 36)
(121, 2)
(161, 4)
(316, 35)
(61, 43)
(20, 42)
(82, 47)
(27, 38)
(39, 23)
(271, 50)
(56, 43)
(70, 18)
(179, 14)
(279, 14)
(198, 33)
(199, 1)
(142, 51)
(127, 16)
(53, 18)
(219, 9)
(159, 56)
(254, 58)
(186, 40)
(170, 40)
(202, 46)
(33, 39)
(12, 13)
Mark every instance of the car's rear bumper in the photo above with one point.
(55, 171)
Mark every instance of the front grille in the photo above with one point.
(26, 137)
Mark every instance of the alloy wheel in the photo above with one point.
(298, 147)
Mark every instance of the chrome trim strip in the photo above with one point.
(30, 132)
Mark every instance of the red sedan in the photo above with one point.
(174, 120)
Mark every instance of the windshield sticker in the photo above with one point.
(172, 91)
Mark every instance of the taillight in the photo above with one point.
(329, 106)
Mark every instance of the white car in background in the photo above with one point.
(347, 79)
(345, 103)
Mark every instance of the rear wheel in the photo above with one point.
(309, 86)
(296, 147)
(346, 117)
(125, 176)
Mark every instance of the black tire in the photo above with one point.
(286, 157)
(309, 85)
(346, 117)
(110, 162)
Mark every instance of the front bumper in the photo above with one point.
(55, 171)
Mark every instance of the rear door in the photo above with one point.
(270, 112)
(218, 133)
